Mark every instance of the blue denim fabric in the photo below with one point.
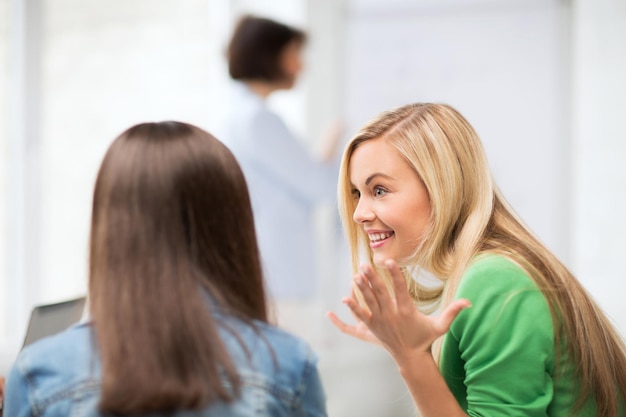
(60, 377)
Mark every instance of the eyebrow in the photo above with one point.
(374, 175)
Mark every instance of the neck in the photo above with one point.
(261, 88)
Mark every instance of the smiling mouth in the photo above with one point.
(379, 237)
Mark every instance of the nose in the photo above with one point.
(363, 212)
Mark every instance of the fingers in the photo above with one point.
(445, 319)
(354, 316)
(399, 286)
(344, 327)
(374, 290)
(341, 325)
(359, 331)
(360, 313)
(370, 299)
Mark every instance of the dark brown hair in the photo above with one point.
(255, 48)
(172, 228)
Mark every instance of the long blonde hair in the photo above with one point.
(469, 216)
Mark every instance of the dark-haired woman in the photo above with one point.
(178, 317)
(287, 181)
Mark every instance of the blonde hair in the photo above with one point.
(469, 216)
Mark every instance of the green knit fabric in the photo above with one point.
(498, 357)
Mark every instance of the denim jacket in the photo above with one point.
(59, 376)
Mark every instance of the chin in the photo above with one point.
(288, 83)
(379, 260)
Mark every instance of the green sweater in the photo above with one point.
(498, 357)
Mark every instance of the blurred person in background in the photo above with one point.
(416, 193)
(287, 181)
(178, 315)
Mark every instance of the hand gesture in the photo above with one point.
(393, 320)
(358, 330)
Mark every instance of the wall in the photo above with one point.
(83, 75)
(599, 172)
(4, 166)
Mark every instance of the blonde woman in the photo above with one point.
(416, 193)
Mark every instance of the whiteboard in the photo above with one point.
(504, 67)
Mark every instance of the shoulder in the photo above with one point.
(275, 363)
(280, 339)
(70, 344)
(503, 295)
(507, 336)
(247, 105)
(253, 113)
(268, 343)
(55, 368)
(493, 275)
(253, 129)
(265, 349)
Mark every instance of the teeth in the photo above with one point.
(375, 237)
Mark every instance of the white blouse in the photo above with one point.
(286, 182)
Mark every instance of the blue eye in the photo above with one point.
(379, 191)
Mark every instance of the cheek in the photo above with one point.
(422, 222)
(416, 220)
(292, 63)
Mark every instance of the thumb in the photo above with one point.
(445, 319)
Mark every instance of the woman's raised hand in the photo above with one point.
(358, 330)
(392, 320)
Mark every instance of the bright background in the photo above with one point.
(541, 80)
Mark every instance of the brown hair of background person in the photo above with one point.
(256, 48)
(162, 229)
